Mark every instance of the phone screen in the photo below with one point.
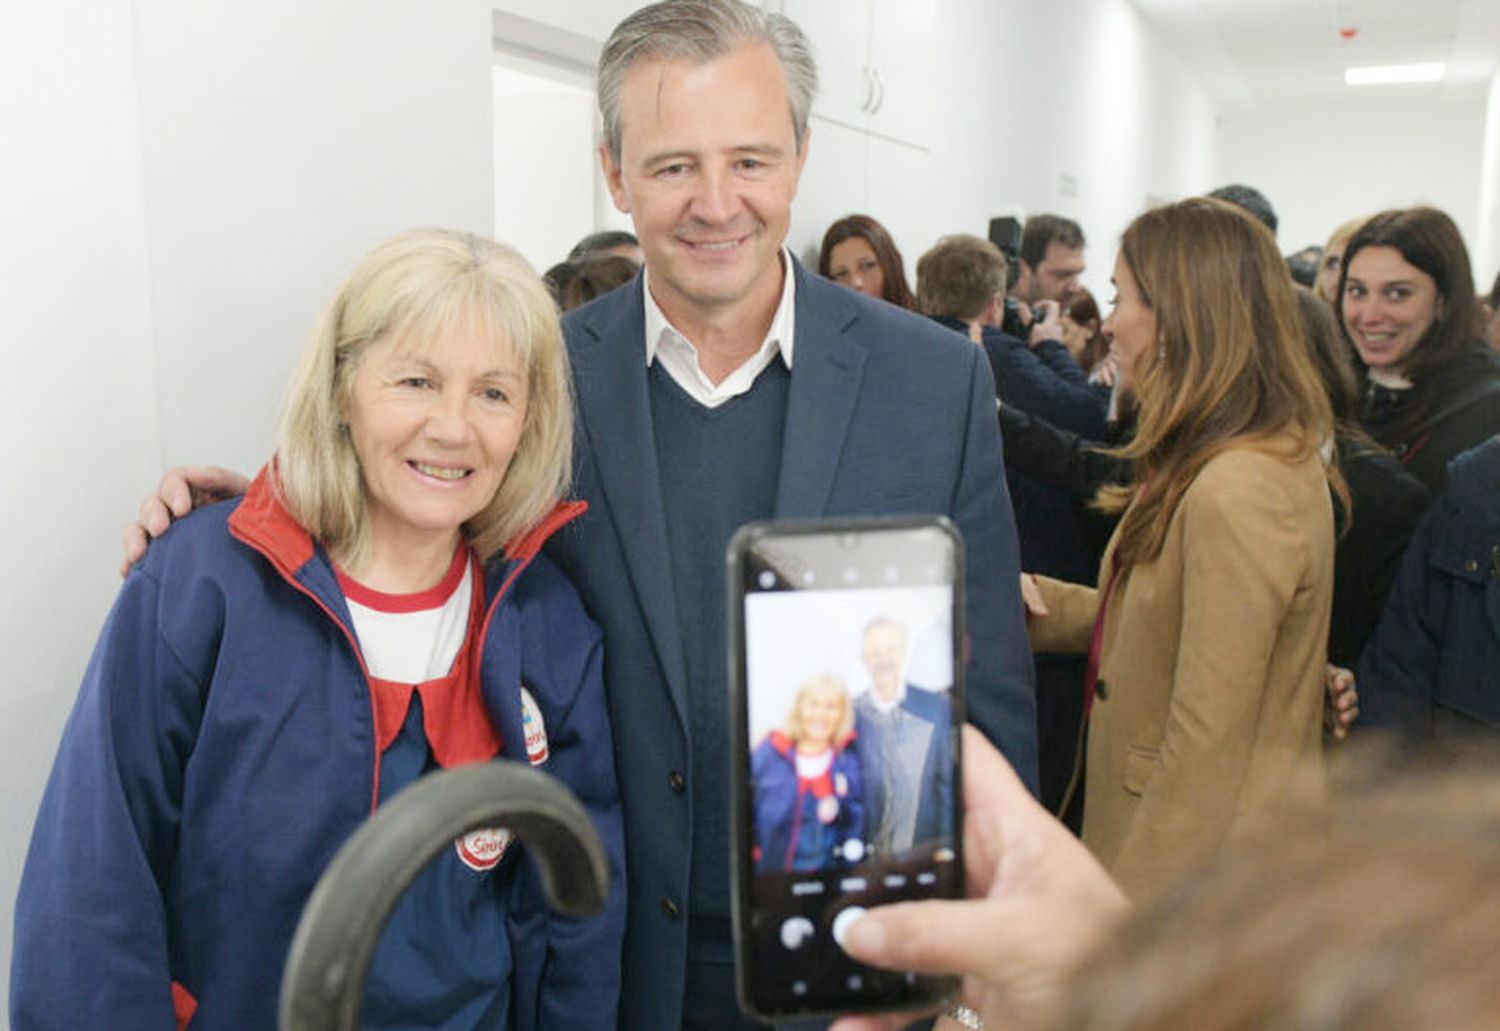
(848, 696)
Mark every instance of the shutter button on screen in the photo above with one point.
(844, 920)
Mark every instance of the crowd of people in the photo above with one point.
(1234, 523)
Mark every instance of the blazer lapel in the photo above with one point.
(609, 375)
(827, 367)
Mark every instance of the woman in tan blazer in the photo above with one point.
(1208, 629)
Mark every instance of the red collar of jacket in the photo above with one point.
(787, 747)
(263, 522)
(458, 726)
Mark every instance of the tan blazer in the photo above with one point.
(1211, 670)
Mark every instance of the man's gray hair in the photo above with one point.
(700, 30)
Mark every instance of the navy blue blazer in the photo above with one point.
(887, 413)
(935, 802)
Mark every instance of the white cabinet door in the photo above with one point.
(902, 58)
(840, 35)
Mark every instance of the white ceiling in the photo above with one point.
(1265, 53)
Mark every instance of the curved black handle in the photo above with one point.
(322, 985)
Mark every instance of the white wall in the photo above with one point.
(544, 162)
(1321, 164)
(183, 186)
(1486, 241)
(80, 411)
(281, 141)
(1083, 88)
(1024, 94)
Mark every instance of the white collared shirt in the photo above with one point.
(679, 358)
(885, 705)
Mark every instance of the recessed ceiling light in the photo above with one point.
(1383, 75)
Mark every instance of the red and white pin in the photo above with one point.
(534, 729)
(483, 849)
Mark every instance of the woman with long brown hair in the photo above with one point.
(1208, 632)
(858, 252)
(1407, 303)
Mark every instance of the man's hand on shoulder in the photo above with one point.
(181, 490)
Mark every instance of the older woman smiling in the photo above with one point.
(374, 608)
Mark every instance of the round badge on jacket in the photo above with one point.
(483, 849)
(534, 729)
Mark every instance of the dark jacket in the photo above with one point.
(1047, 382)
(1462, 408)
(1432, 670)
(787, 827)
(222, 748)
(934, 818)
(1069, 462)
(1388, 501)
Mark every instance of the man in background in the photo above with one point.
(904, 745)
(958, 283)
(1051, 260)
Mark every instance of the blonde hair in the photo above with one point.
(1231, 363)
(1343, 234)
(1345, 231)
(816, 684)
(416, 287)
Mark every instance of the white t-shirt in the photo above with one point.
(412, 638)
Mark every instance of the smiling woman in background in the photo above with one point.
(1432, 386)
(859, 253)
(278, 666)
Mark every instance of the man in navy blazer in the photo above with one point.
(887, 413)
(905, 750)
(836, 405)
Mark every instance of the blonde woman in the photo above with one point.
(376, 607)
(1207, 634)
(809, 802)
(1331, 263)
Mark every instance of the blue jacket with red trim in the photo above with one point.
(223, 747)
(788, 833)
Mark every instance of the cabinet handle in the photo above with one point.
(867, 88)
(879, 93)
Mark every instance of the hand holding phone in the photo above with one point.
(846, 698)
(1041, 902)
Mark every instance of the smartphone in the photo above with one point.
(846, 702)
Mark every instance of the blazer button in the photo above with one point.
(671, 908)
(1101, 691)
(676, 781)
